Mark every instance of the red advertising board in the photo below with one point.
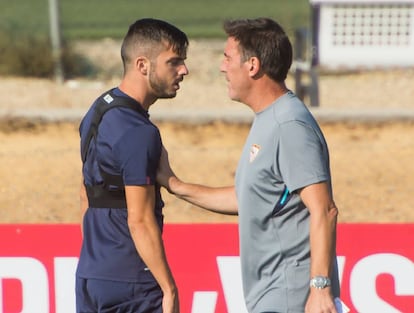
(38, 262)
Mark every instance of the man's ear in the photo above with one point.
(254, 66)
(142, 65)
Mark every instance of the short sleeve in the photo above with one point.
(302, 157)
(137, 153)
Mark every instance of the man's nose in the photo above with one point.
(184, 70)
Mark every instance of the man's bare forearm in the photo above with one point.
(217, 199)
(147, 237)
(323, 218)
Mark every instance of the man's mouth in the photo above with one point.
(177, 83)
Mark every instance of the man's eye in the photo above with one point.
(176, 62)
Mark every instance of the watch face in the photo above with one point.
(320, 282)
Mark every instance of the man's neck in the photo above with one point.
(265, 95)
(139, 94)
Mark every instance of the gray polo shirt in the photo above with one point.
(285, 151)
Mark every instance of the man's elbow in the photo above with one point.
(333, 211)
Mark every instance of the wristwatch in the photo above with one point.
(320, 282)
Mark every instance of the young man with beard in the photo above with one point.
(122, 265)
(282, 193)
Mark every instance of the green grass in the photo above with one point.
(94, 19)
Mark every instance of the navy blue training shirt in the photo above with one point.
(127, 144)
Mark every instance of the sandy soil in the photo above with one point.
(371, 164)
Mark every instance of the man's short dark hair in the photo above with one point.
(265, 39)
(149, 35)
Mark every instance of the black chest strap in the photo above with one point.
(111, 193)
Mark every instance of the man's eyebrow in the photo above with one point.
(177, 59)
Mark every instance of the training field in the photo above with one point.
(371, 159)
(371, 163)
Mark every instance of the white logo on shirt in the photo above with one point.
(254, 151)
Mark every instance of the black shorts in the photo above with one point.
(105, 296)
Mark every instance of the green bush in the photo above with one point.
(26, 55)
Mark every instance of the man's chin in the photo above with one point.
(168, 96)
(233, 97)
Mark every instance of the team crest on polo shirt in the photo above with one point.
(254, 151)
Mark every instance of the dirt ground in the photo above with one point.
(372, 164)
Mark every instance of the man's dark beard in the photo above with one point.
(159, 86)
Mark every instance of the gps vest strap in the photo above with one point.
(111, 193)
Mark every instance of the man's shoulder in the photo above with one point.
(290, 108)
